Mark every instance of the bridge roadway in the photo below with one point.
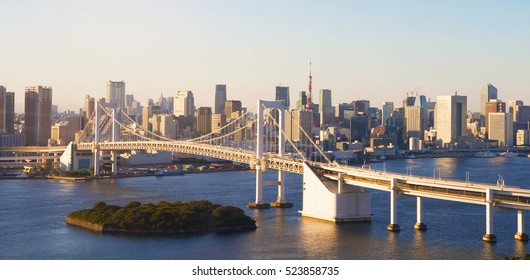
(452, 190)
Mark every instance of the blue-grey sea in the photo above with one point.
(32, 214)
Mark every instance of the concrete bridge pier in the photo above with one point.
(280, 201)
(419, 225)
(96, 162)
(489, 236)
(393, 226)
(113, 158)
(520, 235)
(259, 204)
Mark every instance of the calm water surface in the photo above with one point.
(32, 216)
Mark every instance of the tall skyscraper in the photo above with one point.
(500, 127)
(7, 111)
(487, 93)
(450, 117)
(90, 103)
(204, 120)
(493, 106)
(282, 93)
(296, 123)
(184, 104)
(38, 107)
(325, 108)
(415, 121)
(388, 108)
(302, 101)
(220, 98)
(116, 93)
(232, 106)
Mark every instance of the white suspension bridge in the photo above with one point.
(331, 191)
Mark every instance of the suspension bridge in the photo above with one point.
(260, 139)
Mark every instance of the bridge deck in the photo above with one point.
(453, 190)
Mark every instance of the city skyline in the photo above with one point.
(377, 51)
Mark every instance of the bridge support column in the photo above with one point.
(393, 226)
(96, 162)
(520, 235)
(258, 204)
(280, 201)
(419, 225)
(113, 157)
(489, 236)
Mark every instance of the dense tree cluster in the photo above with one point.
(165, 216)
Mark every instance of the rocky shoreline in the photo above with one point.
(110, 229)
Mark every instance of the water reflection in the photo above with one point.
(318, 239)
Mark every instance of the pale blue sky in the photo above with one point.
(374, 50)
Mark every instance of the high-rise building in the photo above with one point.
(487, 93)
(116, 93)
(38, 107)
(220, 98)
(7, 111)
(450, 117)
(493, 106)
(296, 123)
(184, 104)
(218, 121)
(513, 106)
(388, 108)
(282, 93)
(147, 113)
(326, 109)
(361, 105)
(232, 106)
(500, 127)
(204, 120)
(415, 121)
(164, 125)
(302, 100)
(90, 103)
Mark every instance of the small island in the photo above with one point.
(198, 216)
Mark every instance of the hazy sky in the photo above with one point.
(376, 50)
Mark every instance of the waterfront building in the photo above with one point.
(522, 137)
(184, 104)
(220, 98)
(38, 114)
(450, 117)
(7, 111)
(204, 120)
(493, 106)
(116, 93)
(282, 93)
(415, 121)
(326, 109)
(487, 93)
(500, 127)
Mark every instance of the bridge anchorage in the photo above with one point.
(330, 191)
